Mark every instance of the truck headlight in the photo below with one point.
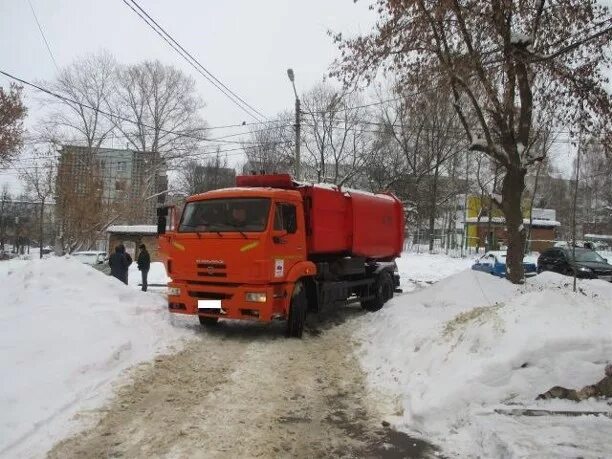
(174, 291)
(255, 297)
(584, 269)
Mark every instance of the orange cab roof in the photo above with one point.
(250, 192)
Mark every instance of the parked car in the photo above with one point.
(494, 262)
(90, 257)
(586, 263)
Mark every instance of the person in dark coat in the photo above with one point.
(144, 264)
(119, 263)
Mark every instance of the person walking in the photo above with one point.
(144, 264)
(119, 263)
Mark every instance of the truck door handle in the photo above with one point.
(278, 240)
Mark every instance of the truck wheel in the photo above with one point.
(208, 321)
(297, 313)
(383, 293)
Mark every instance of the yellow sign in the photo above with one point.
(249, 246)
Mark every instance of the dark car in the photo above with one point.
(586, 263)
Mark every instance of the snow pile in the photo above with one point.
(422, 269)
(473, 343)
(66, 332)
(156, 278)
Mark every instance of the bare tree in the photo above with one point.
(81, 212)
(85, 86)
(441, 144)
(594, 214)
(78, 118)
(415, 144)
(501, 59)
(337, 142)
(40, 186)
(200, 176)
(271, 148)
(12, 113)
(157, 109)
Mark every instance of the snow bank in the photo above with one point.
(157, 278)
(66, 332)
(422, 269)
(455, 352)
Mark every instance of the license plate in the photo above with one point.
(606, 278)
(209, 304)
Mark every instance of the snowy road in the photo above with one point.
(243, 390)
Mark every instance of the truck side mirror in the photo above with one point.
(161, 224)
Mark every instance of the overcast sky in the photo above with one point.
(246, 44)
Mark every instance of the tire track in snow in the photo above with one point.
(243, 390)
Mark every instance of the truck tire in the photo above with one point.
(208, 321)
(383, 293)
(297, 312)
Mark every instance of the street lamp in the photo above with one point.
(291, 76)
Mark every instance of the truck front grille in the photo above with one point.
(209, 295)
(211, 265)
(211, 274)
(211, 269)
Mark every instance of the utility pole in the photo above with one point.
(41, 228)
(298, 160)
(574, 206)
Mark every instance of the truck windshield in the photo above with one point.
(225, 215)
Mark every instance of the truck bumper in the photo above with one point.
(195, 299)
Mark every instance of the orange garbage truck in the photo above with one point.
(274, 249)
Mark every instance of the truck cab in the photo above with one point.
(236, 253)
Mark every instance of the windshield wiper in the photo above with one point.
(235, 226)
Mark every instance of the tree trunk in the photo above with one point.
(528, 243)
(575, 198)
(512, 191)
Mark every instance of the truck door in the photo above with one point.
(288, 239)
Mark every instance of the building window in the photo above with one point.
(121, 166)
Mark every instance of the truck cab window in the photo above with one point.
(225, 215)
(285, 218)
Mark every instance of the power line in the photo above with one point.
(221, 140)
(103, 112)
(392, 125)
(103, 154)
(197, 154)
(43, 36)
(237, 100)
(17, 171)
(196, 61)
